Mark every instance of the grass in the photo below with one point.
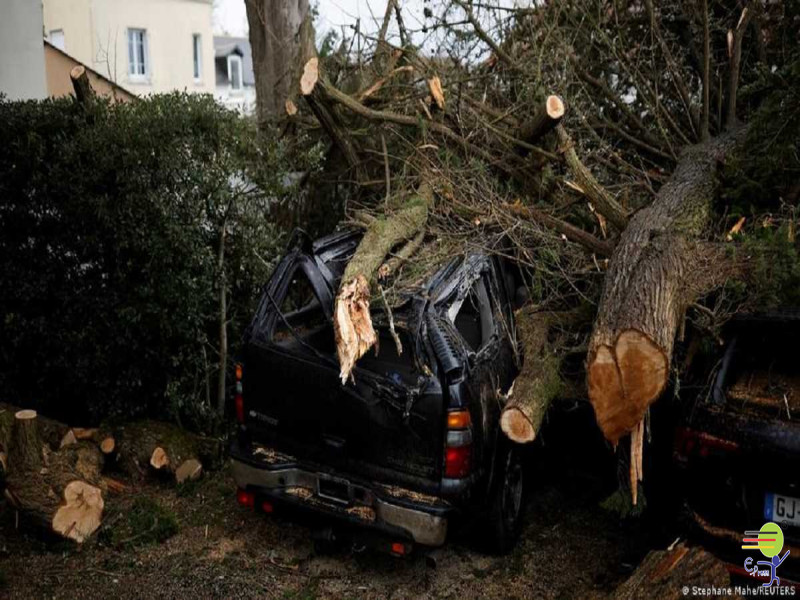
(144, 523)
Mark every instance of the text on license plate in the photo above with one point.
(782, 509)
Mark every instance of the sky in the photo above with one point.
(230, 17)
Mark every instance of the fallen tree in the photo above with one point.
(60, 492)
(562, 141)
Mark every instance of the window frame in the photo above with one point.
(485, 308)
(197, 57)
(50, 34)
(238, 59)
(133, 71)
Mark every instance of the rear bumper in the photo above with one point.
(390, 510)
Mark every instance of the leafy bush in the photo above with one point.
(110, 226)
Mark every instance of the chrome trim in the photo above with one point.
(459, 437)
(423, 527)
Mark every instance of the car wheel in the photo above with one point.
(506, 509)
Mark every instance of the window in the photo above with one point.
(235, 72)
(197, 53)
(303, 317)
(138, 69)
(57, 38)
(472, 316)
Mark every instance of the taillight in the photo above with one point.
(245, 498)
(689, 442)
(239, 398)
(457, 462)
(458, 445)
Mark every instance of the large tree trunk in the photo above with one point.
(658, 268)
(278, 47)
(352, 321)
(62, 491)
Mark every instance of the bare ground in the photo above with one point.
(570, 548)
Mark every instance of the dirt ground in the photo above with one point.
(570, 548)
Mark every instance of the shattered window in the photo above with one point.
(303, 317)
(472, 316)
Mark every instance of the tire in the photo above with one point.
(506, 509)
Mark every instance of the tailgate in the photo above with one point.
(295, 402)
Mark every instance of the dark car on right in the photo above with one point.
(738, 447)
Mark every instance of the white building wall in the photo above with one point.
(22, 74)
(96, 33)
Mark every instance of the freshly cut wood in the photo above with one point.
(81, 84)
(658, 268)
(544, 119)
(666, 573)
(26, 445)
(54, 490)
(537, 383)
(352, 323)
(68, 439)
(315, 90)
(102, 438)
(190, 469)
(154, 447)
(51, 432)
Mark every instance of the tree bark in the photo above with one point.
(658, 268)
(223, 321)
(605, 204)
(80, 83)
(352, 321)
(314, 89)
(54, 490)
(544, 120)
(537, 383)
(154, 447)
(278, 47)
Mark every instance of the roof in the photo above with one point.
(120, 90)
(224, 46)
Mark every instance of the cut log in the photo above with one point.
(666, 573)
(190, 470)
(26, 445)
(353, 330)
(54, 490)
(314, 89)
(537, 383)
(544, 119)
(81, 84)
(658, 268)
(156, 447)
(103, 438)
(51, 432)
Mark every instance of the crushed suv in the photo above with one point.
(413, 441)
(738, 449)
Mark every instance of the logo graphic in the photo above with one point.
(769, 540)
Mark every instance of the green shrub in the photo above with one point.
(110, 222)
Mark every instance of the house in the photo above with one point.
(21, 54)
(58, 65)
(146, 46)
(233, 67)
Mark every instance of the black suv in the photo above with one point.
(414, 440)
(738, 449)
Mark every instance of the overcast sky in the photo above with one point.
(230, 17)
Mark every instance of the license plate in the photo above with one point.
(782, 509)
